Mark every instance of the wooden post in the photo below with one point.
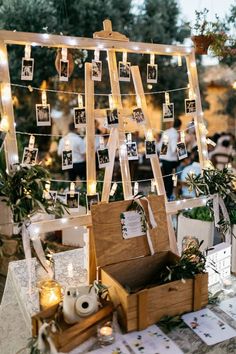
(90, 157)
(198, 116)
(10, 144)
(154, 159)
(113, 140)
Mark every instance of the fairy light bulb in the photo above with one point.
(6, 92)
(149, 135)
(179, 60)
(92, 187)
(4, 125)
(80, 100)
(27, 51)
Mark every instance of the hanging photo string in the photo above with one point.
(113, 189)
(30, 153)
(124, 68)
(136, 188)
(132, 150)
(174, 179)
(152, 70)
(150, 144)
(67, 156)
(96, 66)
(64, 65)
(103, 154)
(27, 67)
(167, 109)
(179, 60)
(43, 115)
(80, 113)
(190, 104)
(112, 113)
(138, 115)
(72, 197)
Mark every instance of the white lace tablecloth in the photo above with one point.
(18, 304)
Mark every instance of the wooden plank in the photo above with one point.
(198, 291)
(154, 159)
(175, 206)
(10, 144)
(92, 257)
(142, 310)
(198, 117)
(57, 41)
(90, 129)
(108, 33)
(124, 163)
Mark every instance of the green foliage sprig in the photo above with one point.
(25, 193)
(200, 213)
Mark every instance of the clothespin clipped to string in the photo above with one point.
(136, 188)
(153, 186)
(31, 142)
(72, 189)
(113, 189)
(174, 178)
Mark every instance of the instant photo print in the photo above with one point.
(138, 115)
(29, 156)
(79, 116)
(67, 161)
(64, 70)
(91, 199)
(43, 115)
(72, 200)
(112, 118)
(181, 151)
(190, 106)
(96, 70)
(150, 148)
(152, 73)
(132, 151)
(168, 112)
(124, 71)
(103, 157)
(164, 149)
(27, 69)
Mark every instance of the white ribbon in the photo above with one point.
(26, 237)
(45, 343)
(152, 222)
(218, 203)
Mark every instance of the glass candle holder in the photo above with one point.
(105, 334)
(49, 294)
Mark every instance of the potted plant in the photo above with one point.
(195, 223)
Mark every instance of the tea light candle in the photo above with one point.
(106, 331)
(50, 294)
(106, 334)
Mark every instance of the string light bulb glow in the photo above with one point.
(92, 187)
(6, 92)
(3, 58)
(4, 125)
(149, 135)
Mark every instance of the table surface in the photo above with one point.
(18, 306)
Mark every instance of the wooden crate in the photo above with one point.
(71, 336)
(127, 263)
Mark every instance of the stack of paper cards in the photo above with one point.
(132, 224)
(151, 341)
(229, 306)
(209, 327)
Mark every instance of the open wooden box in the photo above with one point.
(70, 336)
(127, 264)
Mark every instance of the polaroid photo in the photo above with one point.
(96, 70)
(164, 148)
(124, 71)
(67, 160)
(112, 118)
(91, 200)
(64, 70)
(53, 195)
(29, 156)
(2, 138)
(152, 73)
(72, 200)
(138, 115)
(181, 151)
(103, 157)
(43, 115)
(132, 151)
(150, 148)
(79, 116)
(190, 106)
(168, 112)
(27, 69)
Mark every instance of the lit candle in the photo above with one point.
(106, 334)
(106, 331)
(50, 294)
